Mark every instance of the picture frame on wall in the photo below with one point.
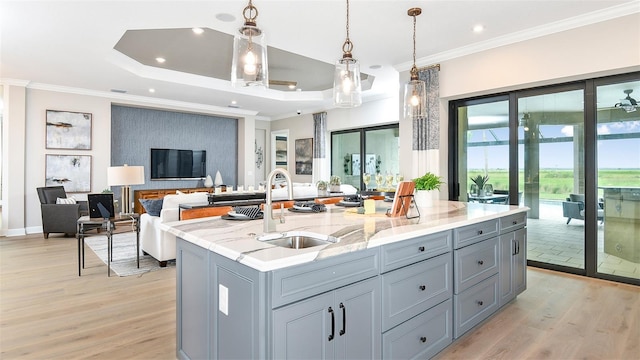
(281, 152)
(71, 171)
(68, 130)
(304, 156)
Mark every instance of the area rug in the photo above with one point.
(123, 262)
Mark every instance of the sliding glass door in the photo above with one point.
(618, 179)
(369, 151)
(571, 154)
(552, 173)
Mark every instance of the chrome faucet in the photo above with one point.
(269, 222)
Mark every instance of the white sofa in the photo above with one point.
(158, 243)
(306, 191)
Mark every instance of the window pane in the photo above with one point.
(343, 147)
(551, 169)
(381, 158)
(484, 151)
(618, 178)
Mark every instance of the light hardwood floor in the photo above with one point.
(48, 312)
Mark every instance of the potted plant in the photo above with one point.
(480, 181)
(334, 183)
(322, 186)
(424, 196)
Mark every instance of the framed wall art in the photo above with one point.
(281, 152)
(304, 156)
(68, 130)
(71, 171)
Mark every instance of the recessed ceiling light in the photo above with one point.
(197, 30)
(478, 28)
(152, 90)
(375, 67)
(225, 17)
(233, 102)
(292, 86)
(161, 60)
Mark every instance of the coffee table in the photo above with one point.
(86, 223)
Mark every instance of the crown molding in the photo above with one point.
(218, 110)
(539, 31)
(14, 82)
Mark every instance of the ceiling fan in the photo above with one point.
(628, 104)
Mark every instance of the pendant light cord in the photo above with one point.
(347, 47)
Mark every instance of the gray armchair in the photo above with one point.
(59, 218)
(573, 208)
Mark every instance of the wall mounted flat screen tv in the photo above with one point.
(173, 164)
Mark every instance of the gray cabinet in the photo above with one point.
(513, 265)
(413, 289)
(420, 337)
(476, 266)
(404, 300)
(417, 284)
(341, 324)
(192, 302)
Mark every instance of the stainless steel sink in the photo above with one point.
(298, 239)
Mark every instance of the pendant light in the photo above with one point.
(347, 89)
(415, 94)
(249, 64)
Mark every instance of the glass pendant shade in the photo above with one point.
(347, 88)
(249, 65)
(415, 99)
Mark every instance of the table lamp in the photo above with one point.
(125, 176)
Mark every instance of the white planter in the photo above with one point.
(425, 198)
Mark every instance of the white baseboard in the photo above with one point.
(16, 232)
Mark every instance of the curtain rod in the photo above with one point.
(437, 66)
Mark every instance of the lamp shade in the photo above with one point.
(125, 175)
(415, 99)
(347, 87)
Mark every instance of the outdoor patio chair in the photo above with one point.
(573, 208)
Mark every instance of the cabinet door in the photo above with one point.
(358, 321)
(192, 287)
(520, 262)
(513, 265)
(302, 330)
(507, 253)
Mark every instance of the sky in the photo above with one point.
(612, 154)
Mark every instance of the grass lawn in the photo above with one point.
(558, 184)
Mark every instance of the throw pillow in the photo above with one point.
(69, 200)
(152, 206)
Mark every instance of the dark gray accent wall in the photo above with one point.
(134, 131)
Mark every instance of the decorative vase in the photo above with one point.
(208, 182)
(218, 180)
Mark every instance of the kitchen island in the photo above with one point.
(389, 288)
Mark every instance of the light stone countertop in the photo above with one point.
(236, 239)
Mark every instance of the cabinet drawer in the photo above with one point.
(407, 252)
(471, 234)
(474, 305)
(421, 337)
(302, 281)
(513, 222)
(413, 289)
(475, 263)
